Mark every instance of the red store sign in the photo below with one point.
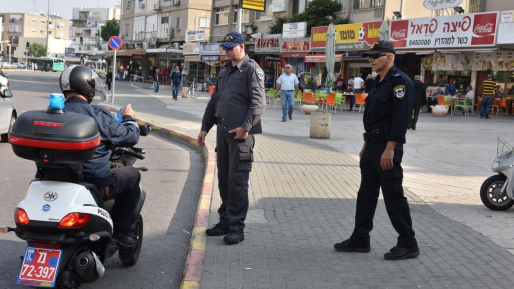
(467, 30)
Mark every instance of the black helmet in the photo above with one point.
(80, 79)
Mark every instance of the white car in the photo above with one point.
(7, 114)
(4, 83)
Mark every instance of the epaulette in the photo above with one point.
(396, 74)
(102, 110)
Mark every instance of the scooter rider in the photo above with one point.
(78, 86)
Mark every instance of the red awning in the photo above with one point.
(321, 58)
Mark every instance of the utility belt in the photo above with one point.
(380, 133)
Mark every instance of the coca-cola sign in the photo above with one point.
(468, 30)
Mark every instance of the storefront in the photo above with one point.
(267, 55)
(449, 44)
(505, 74)
(131, 58)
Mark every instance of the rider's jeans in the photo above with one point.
(125, 192)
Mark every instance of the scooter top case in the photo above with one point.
(50, 138)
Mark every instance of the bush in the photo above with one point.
(100, 72)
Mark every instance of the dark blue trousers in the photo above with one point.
(373, 178)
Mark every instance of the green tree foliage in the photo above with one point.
(37, 50)
(314, 15)
(111, 28)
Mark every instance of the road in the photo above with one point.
(172, 187)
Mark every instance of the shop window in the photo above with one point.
(179, 23)
(267, 14)
(365, 4)
(222, 15)
(246, 15)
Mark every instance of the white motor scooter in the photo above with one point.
(497, 192)
(66, 224)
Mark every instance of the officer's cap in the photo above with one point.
(233, 39)
(379, 47)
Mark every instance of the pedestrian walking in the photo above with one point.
(236, 107)
(175, 79)
(184, 76)
(108, 78)
(387, 115)
(420, 98)
(368, 83)
(288, 84)
(120, 72)
(156, 77)
(489, 90)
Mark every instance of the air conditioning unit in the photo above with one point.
(176, 2)
(172, 31)
(156, 6)
(141, 4)
(145, 45)
(176, 45)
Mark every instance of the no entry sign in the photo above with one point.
(115, 42)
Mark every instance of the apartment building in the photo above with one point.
(30, 26)
(85, 32)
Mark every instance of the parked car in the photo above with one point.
(8, 115)
(22, 65)
(4, 83)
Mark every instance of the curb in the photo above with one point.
(193, 268)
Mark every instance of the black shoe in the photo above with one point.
(487, 118)
(218, 230)
(413, 128)
(123, 240)
(481, 117)
(400, 253)
(350, 246)
(234, 237)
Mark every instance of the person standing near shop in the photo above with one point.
(108, 78)
(420, 98)
(156, 79)
(121, 69)
(184, 76)
(387, 115)
(175, 80)
(488, 91)
(239, 92)
(451, 88)
(288, 84)
(368, 83)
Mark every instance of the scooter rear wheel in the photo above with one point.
(491, 195)
(129, 256)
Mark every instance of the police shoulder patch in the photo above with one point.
(399, 91)
(396, 74)
(260, 73)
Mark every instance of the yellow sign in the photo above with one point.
(347, 32)
(257, 5)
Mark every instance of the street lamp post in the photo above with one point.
(47, 27)
(9, 45)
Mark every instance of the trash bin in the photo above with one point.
(320, 125)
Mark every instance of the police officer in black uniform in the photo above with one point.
(386, 118)
(239, 91)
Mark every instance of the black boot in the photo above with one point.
(350, 246)
(400, 253)
(218, 230)
(123, 240)
(234, 237)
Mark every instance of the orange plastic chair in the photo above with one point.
(309, 98)
(496, 104)
(330, 101)
(478, 104)
(360, 100)
(211, 89)
(441, 100)
(503, 104)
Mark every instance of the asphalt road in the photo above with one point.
(172, 184)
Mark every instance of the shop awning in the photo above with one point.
(125, 53)
(95, 57)
(321, 58)
(294, 55)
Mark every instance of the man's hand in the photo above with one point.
(104, 192)
(201, 138)
(127, 110)
(386, 161)
(362, 151)
(240, 132)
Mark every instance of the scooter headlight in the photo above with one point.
(496, 164)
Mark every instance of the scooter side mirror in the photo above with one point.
(145, 130)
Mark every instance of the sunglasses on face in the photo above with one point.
(376, 56)
(226, 48)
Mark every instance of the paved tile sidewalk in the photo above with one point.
(302, 201)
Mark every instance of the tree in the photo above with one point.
(314, 15)
(111, 28)
(37, 50)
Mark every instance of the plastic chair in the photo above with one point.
(211, 89)
(270, 94)
(360, 100)
(340, 99)
(275, 100)
(478, 104)
(441, 100)
(465, 105)
(298, 99)
(496, 104)
(330, 101)
(309, 98)
(503, 104)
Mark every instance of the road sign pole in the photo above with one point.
(113, 76)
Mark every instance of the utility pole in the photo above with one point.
(121, 17)
(47, 27)
(239, 17)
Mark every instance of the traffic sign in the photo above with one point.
(115, 42)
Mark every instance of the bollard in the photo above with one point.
(320, 125)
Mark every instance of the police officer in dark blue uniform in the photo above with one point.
(386, 118)
(236, 107)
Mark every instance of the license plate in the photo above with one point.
(40, 267)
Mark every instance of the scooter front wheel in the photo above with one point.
(129, 256)
(491, 194)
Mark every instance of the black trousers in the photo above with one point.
(125, 192)
(372, 179)
(234, 161)
(414, 115)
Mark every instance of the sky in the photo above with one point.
(63, 7)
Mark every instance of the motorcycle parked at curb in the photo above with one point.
(497, 192)
(65, 222)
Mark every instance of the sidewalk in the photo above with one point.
(302, 201)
